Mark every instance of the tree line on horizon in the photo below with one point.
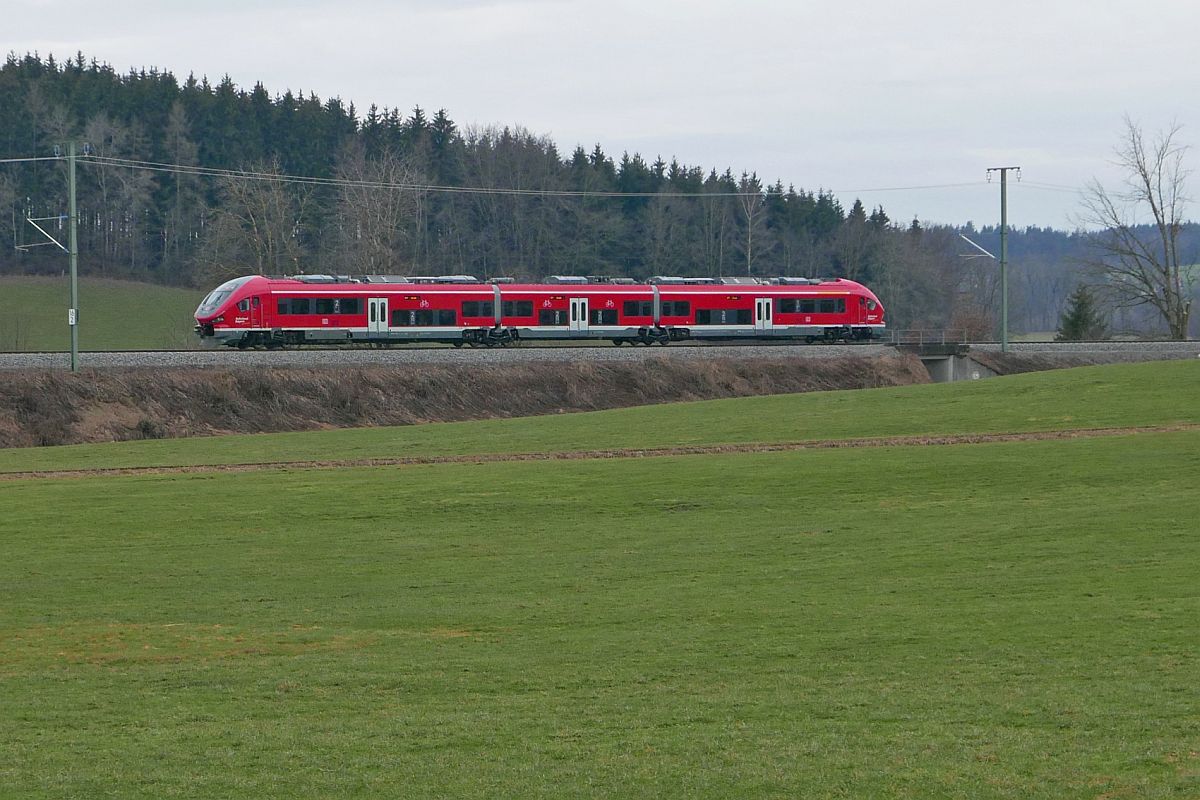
(177, 227)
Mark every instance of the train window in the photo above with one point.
(723, 316)
(639, 308)
(549, 316)
(424, 318)
(473, 308)
(872, 305)
(832, 305)
(325, 305)
(677, 308)
(604, 316)
(517, 308)
(254, 302)
(295, 305)
(243, 305)
(808, 306)
(786, 305)
(348, 305)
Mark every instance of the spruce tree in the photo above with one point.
(1082, 321)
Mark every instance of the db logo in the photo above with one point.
(546, 304)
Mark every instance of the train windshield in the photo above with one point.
(218, 296)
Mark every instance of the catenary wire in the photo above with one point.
(185, 169)
(31, 158)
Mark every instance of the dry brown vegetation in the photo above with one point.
(50, 407)
(1016, 363)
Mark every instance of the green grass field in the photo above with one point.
(114, 315)
(1117, 396)
(995, 620)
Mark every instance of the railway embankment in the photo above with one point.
(50, 406)
(54, 407)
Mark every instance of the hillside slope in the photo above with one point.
(113, 315)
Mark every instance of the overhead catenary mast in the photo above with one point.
(1003, 249)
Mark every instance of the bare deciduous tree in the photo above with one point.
(376, 218)
(185, 204)
(1138, 245)
(258, 227)
(754, 215)
(108, 139)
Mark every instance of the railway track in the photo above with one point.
(443, 354)
(421, 355)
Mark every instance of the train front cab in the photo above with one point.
(231, 313)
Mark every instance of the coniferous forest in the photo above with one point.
(391, 191)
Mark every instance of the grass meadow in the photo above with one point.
(113, 315)
(989, 620)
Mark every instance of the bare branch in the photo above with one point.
(1140, 256)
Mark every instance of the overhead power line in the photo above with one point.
(187, 169)
(1052, 187)
(26, 160)
(311, 180)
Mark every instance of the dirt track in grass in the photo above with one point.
(575, 455)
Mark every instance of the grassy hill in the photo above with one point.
(989, 620)
(114, 315)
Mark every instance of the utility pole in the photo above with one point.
(1003, 250)
(72, 248)
(73, 255)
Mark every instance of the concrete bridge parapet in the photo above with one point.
(948, 362)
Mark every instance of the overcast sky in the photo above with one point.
(853, 97)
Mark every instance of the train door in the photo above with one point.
(377, 314)
(579, 313)
(764, 317)
(256, 312)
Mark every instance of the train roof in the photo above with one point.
(559, 283)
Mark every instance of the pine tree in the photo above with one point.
(1082, 320)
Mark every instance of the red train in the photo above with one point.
(457, 309)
